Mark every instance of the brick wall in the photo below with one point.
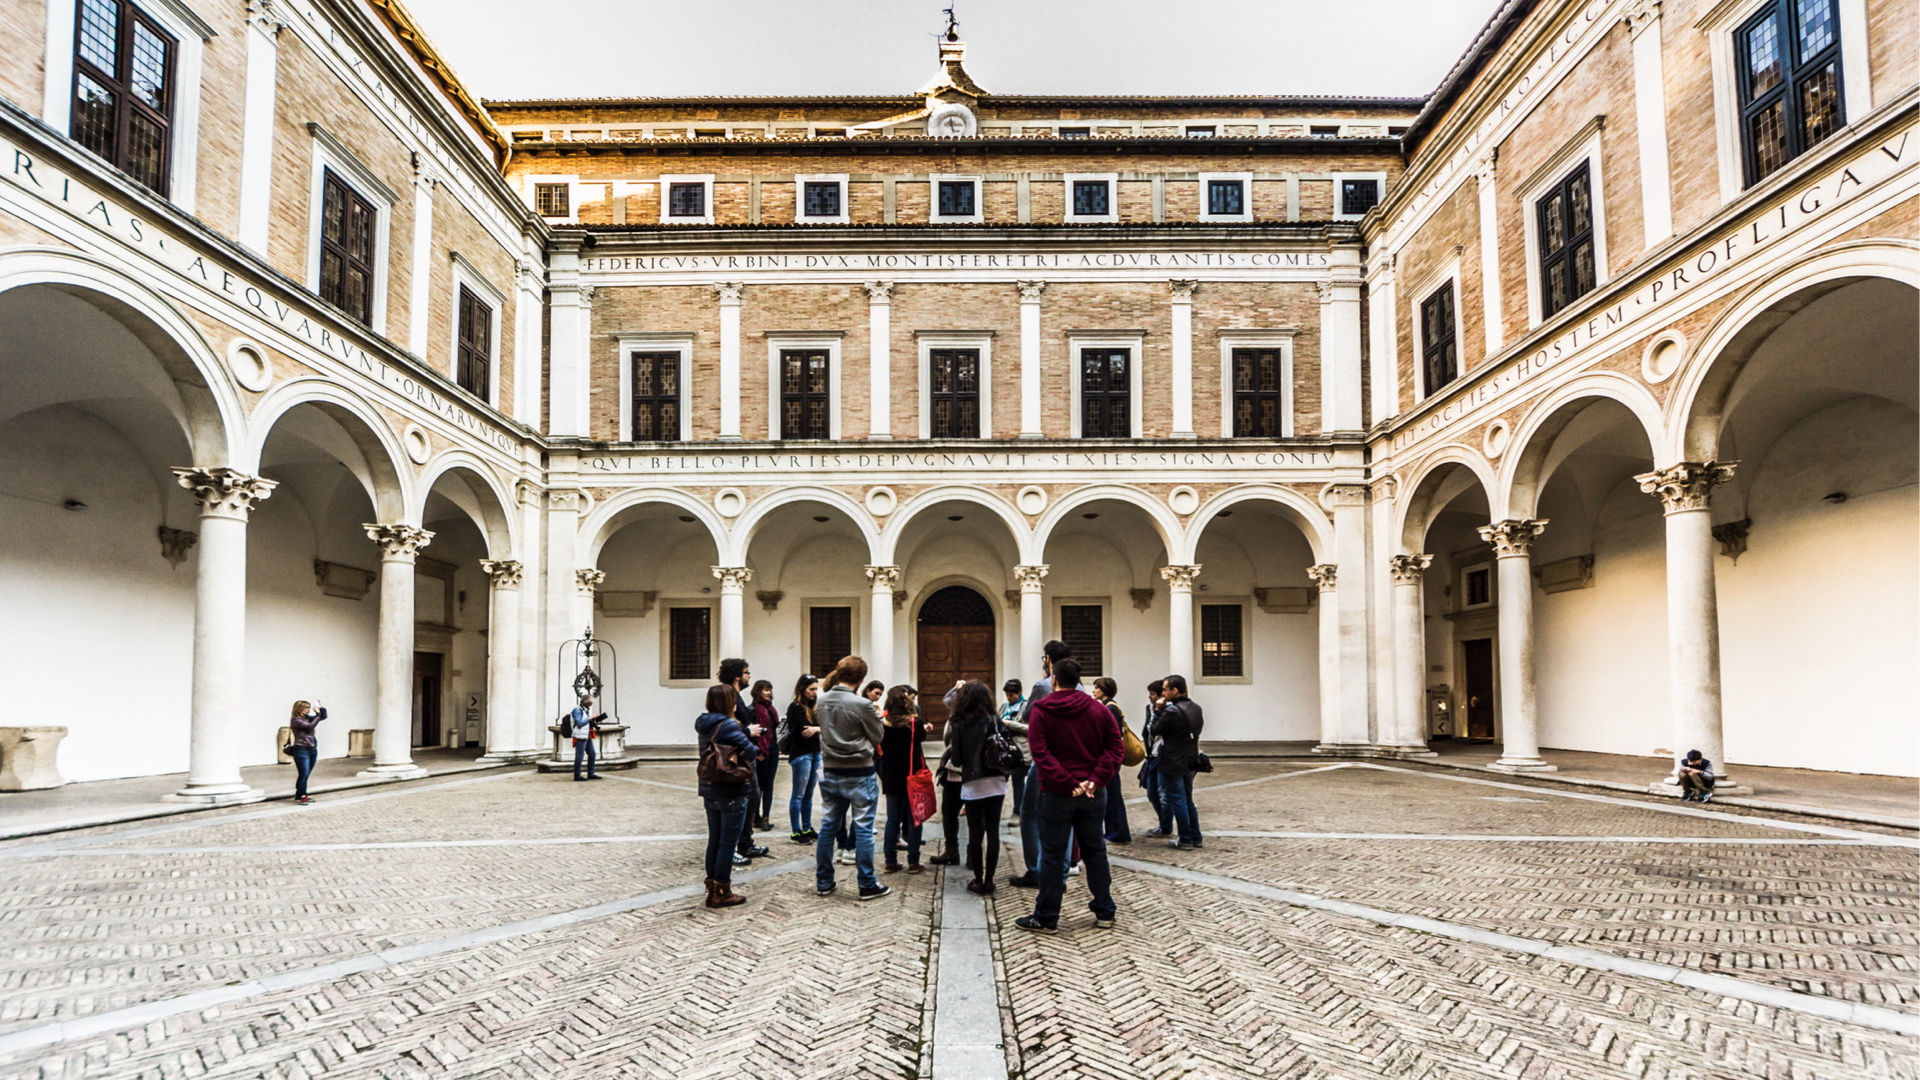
(23, 42)
(1455, 223)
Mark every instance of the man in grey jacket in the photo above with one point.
(850, 729)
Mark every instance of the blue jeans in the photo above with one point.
(806, 773)
(1063, 819)
(1150, 779)
(303, 758)
(900, 827)
(1019, 782)
(1117, 828)
(724, 818)
(1176, 801)
(583, 749)
(1030, 820)
(845, 799)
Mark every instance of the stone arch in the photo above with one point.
(1172, 536)
(389, 484)
(607, 518)
(1430, 490)
(886, 544)
(1528, 467)
(740, 537)
(494, 517)
(1301, 511)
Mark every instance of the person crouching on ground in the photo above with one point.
(304, 747)
(983, 780)
(1077, 749)
(899, 756)
(850, 729)
(1696, 778)
(727, 800)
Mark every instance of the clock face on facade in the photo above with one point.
(950, 120)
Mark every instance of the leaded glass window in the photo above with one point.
(474, 368)
(689, 642)
(1221, 651)
(822, 198)
(1258, 393)
(804, 395)
(1106, 394)
(1789, 73)
(1092, 198)
(829, 637)
(1081, 628)
(346, 248)
(656, 396)
(957, 198)
(953, 379)
(1566, 242)
(550, 200)
(123, 75)
(1440, 361)
(1359, 196)
(1226, 197)
(686, 200)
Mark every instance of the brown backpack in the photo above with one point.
(723, 763)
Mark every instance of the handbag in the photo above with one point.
(721, 763)
(1001, 755)
(922, 801)
(1201, 762)
(1132, 750)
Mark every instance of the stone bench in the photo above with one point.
(28, 758)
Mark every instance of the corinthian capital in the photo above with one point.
(1180, 577)
(224, 492)
(883, 577)
(1641, 16)
(1323, 575)
(1513, 537)
(730, 291)
(1407, 569)
(1688, 485)
(398, 543)
(733, 577)
(588, 580)
(1030, 576)
(1182, 290)
(1030, 291)
(879, 292)
(502, 573)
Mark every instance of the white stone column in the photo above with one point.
(1326, 576)
(730, 294)
(1693, 612)
(733, 631)
(880, 358)
(1512, 542)
(569, 311)
(1030, 360)
(1340, 342)
(528, 307)
(586, 582)
(227, 497)
(256, 120)
(561, 586)
(509, 736)
(1408, 734)
(1490, 254)
(1650, 121)
(1182, 338)
(883, 579)
(421, 297)
(1383, 345)
(1033, 627)
(393, 664)
(1180, 619)
(1348, 504)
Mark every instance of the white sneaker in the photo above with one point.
(844, 858)
(1073, 871)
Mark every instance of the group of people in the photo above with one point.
(1056, 752)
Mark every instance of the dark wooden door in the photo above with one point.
(956, 641)
(1479, 678)
(426, 699)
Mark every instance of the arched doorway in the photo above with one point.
(955, 642)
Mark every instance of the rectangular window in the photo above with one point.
(1200, 132)
(689, 637)
(123, 74)
(1226, 197)
(804, 399)
(953, 379)
(829, 637)
(1440, 362)
(475, 367)
(822, 198)
(1075, 132)
(1566, 242)
(687, 200)
(1106, 394)
(1789, 72)
(1080, 628)
(1478, 587)
(1092, 198)
(1221, 655)
(957, 198)
(1325, 132)
(346, 249)
(1359, 196)
(550, 200)
(656, 396)
(1257, 393)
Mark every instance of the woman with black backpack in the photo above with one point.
(976, 745)
(727, 755)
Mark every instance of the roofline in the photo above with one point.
(1323, 101)
(405, 27)
(1505, 19)
(922, 144)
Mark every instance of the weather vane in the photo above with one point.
(953, 23)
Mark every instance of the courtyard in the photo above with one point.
(1345, 919)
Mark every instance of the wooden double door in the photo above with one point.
(956, 641)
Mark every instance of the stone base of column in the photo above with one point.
(1523, 765)
(1669, 786)
(217, 795)
(405, 770)
(512, 757)
(1416, 752)
(1347, 750)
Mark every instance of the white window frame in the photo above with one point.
(1134, 341)
(1377, 177)
(1493, 579)
(1112, 180)
(933, 199)
(664, 606)
(800, 214)
(190, 34)
(535, 181)
(1257, 339)
(666, 193)
(1584, 147)
(1105, 604)
(1719, 24)
(468, 275)
(330, 153)
(929, 340)
(1246, 640)
(802, 340)
(674, 342)
(1246, 195)
(806, 624)
(1448, 271)
(1212, 131)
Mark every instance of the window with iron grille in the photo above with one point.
(656, 396)
(1440, 362)
(1258, 393)
(550, 200)
(686, 200)
(803, 393)
(1226, 197)
(1091, 198)
(1106, 394)
(689, 638)
(1081, 629)
(829, 637)
(957, 198)
(1324, 132)
(474, 372)
(1359, 196)
(1789, 75)
(1075, 132)
(1221, 652)
(346, 248)
(1566, 242)
(1200, 132)
(953, 379)
(123, 74)
(822, 198)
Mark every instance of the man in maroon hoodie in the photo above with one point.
(1077, 750)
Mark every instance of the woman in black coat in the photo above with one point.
(983, 784)
(726, 800)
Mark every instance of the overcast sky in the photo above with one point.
(597, 48)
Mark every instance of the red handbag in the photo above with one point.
(922, 801)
